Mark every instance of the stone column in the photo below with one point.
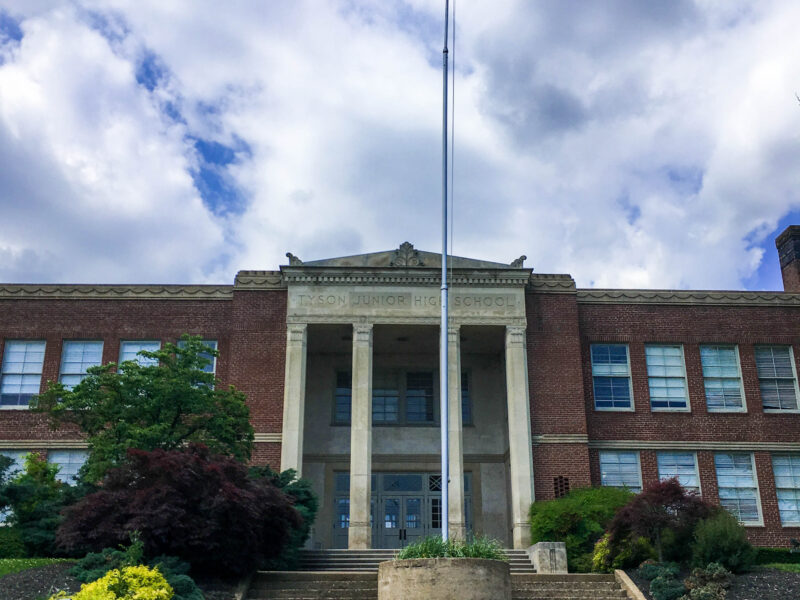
(519, 434)
(360, 532)
(294, 396)
(457, 525)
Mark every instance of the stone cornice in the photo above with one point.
(551, 284)
(260, 438)
(402, 276)
(259, 280)
(694, 445)
(697, 298)
(115, 292)
(560, 438)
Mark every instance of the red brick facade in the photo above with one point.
(568, 433)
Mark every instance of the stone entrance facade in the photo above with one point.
(551, 387)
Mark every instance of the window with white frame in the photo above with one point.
(722, 378)
(682, 465)
(18, 456)
(76, 357)
(738, 490)
(129, 350)
(611, 377)
(776, 377)
(211, 366)
(21, 373)
(621, 469)
(786, 468)
(69, 462)
(666, 376)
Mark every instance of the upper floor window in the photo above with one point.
(343, 398)
(611, 377)
(786, 468)
(621, 469)
(386, 397)
(419, 397)
(682, 465)
(21, 372)
(76, 357)
(722, 378)
(466, 400)
(776, 377)
(211, 366)
(666, 376)
(738, 491)
(129, 350)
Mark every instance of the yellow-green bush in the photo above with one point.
(131, 583)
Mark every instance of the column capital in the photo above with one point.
(362, 333)
(515, 335)
(296, 333)
(454, 333)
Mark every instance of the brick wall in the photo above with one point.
(564, 460)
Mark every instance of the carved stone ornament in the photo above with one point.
(406, 256)
(517, 264)
(293, 260)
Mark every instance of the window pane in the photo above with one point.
(721, 377)
(343, 398)
(129, 350)
(21, 372)
(419, 397)
(666, 377)
(69, 461)
(776, 377)
(681, 465)
(611, 376)
(787, 484)
(466, 401)
(385, 398)
(76, 357)
(620, 469)
(737, 486)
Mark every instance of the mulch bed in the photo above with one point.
(758, 584)
(42, 582)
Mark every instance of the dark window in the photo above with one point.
(419, 397)
(385, 398)
(466, 400)
(344, 396)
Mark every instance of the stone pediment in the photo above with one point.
(404, 257)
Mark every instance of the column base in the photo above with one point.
(359, 537)
(522, 536)
(457, 531)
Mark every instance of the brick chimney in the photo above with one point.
(788, 244)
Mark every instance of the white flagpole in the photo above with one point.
(443, 346)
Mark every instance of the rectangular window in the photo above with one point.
(682, 465)
(666, 376)
(776, 377)
(787, 485)
(466, 400)
(128, 350)
(621, 469)
(722, 378)
(22, 372)
(738, 491)
(211, 366)
(385, 398)
(76, 357)
(343, 400)
(69, 461)
(611, 376)
(419, 397)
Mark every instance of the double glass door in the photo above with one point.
(405, 507)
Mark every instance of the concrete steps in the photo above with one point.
(368, 560)
(330, 585)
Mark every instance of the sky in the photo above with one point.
(630, 144)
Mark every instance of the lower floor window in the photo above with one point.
(621, 469)
(786, 468)
(738, 492)
(69, 462)
(682, 465)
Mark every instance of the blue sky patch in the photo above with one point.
(686, 180)
(9, 28)
(768, 275)
(211, 178)
(150, 71)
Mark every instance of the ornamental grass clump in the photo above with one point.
(436, 547)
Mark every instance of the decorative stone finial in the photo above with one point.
(406, 256)
(293, 260)
(517, 264)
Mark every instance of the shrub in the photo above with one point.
(436, 547)
(632, 552)
(35, 498)
(649, 570)
(666, 588)
(711, 591)
(201, 508)
(721, 539)
(710, 583)
(11, 545)
(765, 556)
(664, 513)
(579, 519)
(305, 502)
(130, 583)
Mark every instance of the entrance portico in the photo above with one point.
(382, 309)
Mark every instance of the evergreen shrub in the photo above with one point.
(722, 539)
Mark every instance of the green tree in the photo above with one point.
(164, 405)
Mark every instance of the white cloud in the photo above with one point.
(637, 145)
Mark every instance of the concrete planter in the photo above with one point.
(444, 579)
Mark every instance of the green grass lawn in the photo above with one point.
(14, 565)
(790, 567)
